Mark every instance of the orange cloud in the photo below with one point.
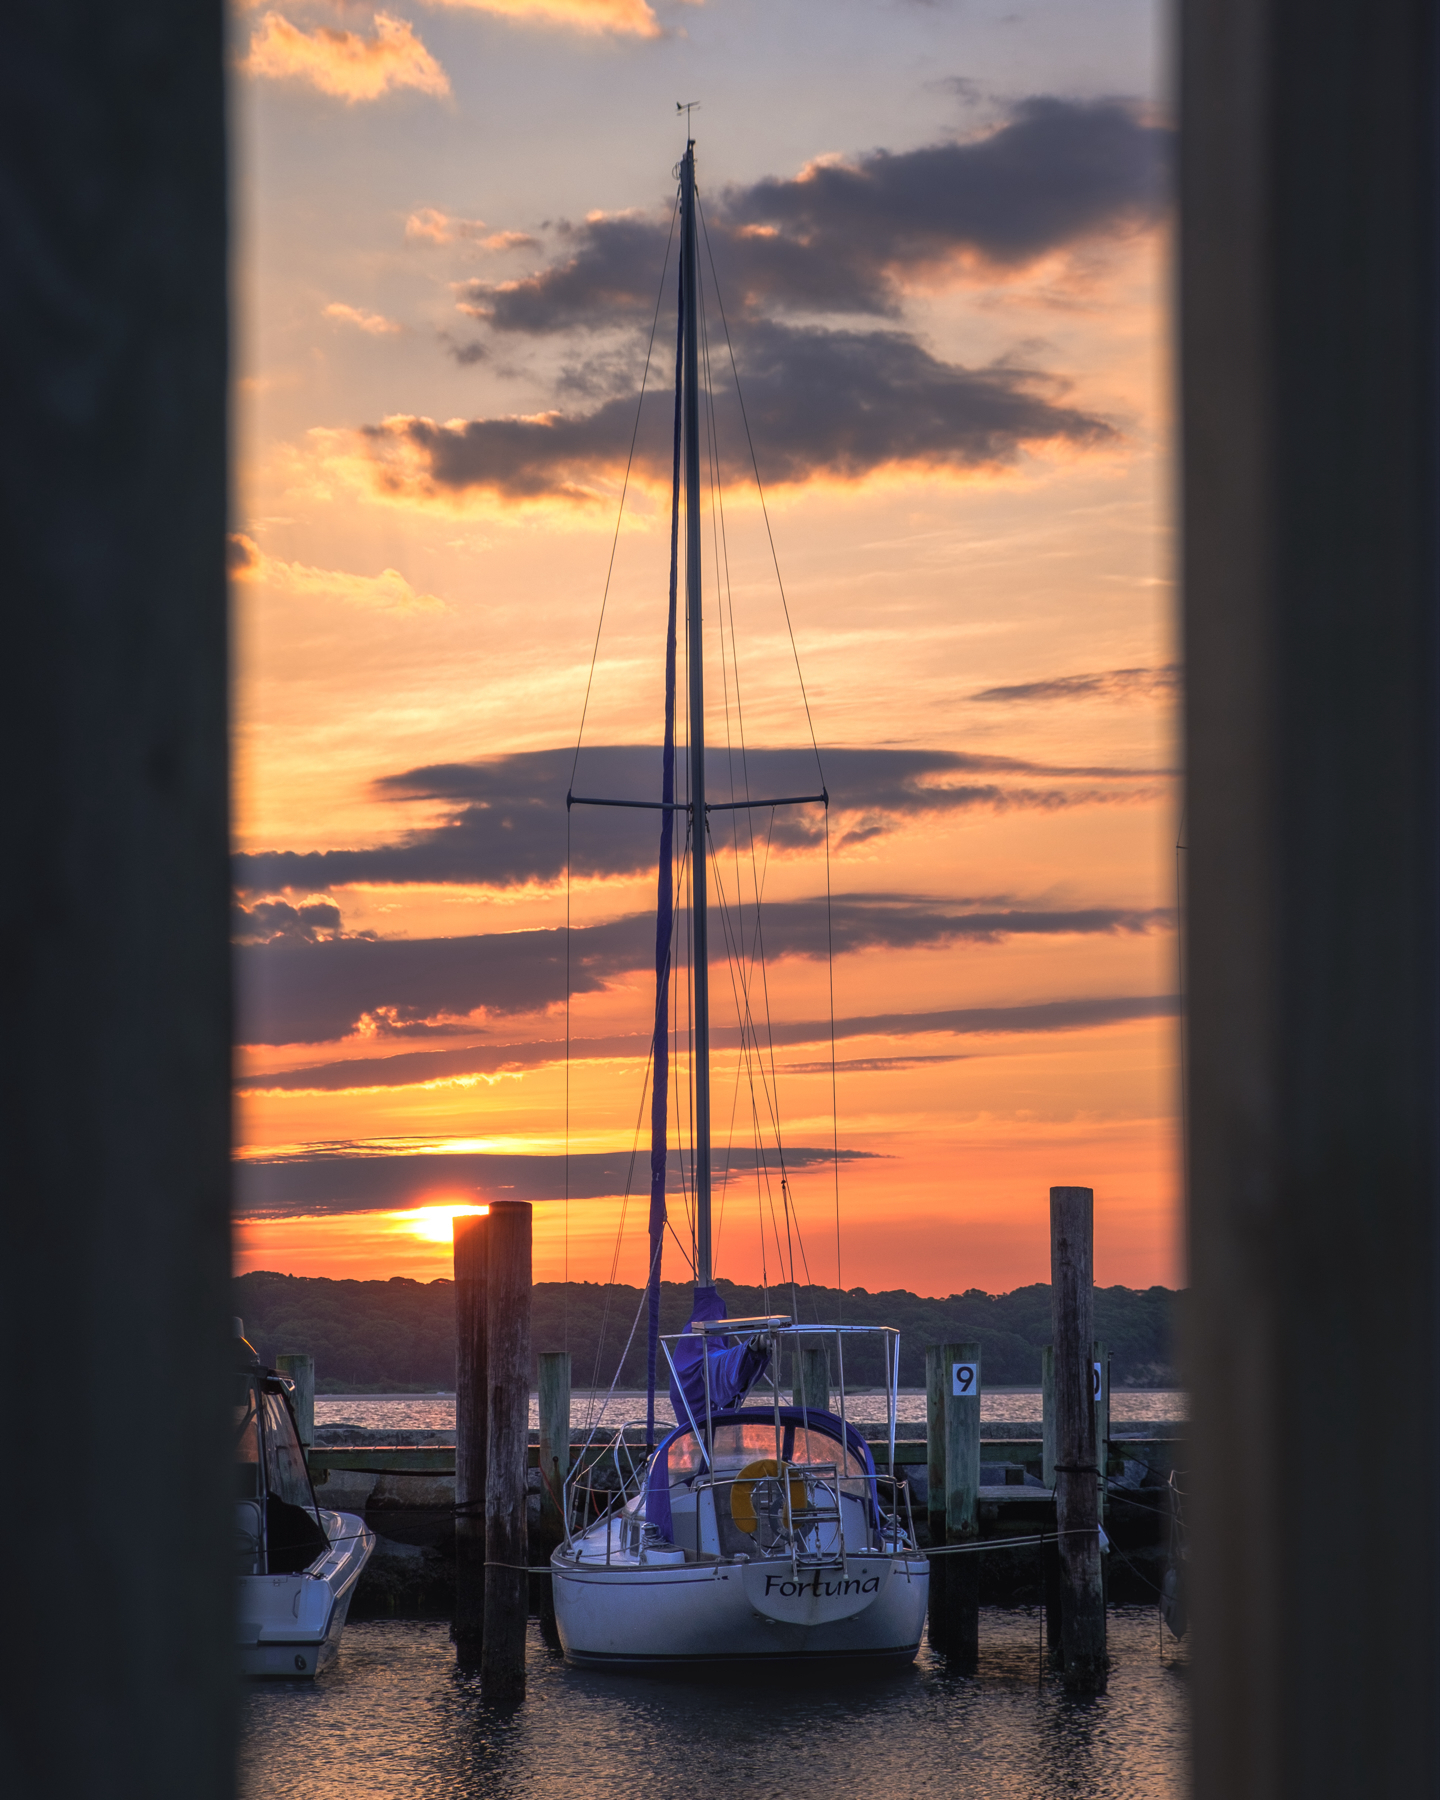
(430, 225)
(388, 591)
(345, 63)
(632, 17)
(375, 323)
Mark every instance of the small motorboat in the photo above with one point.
(298, 1563)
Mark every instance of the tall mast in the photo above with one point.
(700, 836)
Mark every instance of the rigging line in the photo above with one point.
(675, 1038)
(624, 490)
(734, 963)
(619, 1370)
(620, 1228)
(722, 579)
(760, 486)
(834, 1097)
(567, 1079)
(680, 1246)
(722, 574)
(743, 1013)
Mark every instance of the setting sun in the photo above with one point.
(434, 1223)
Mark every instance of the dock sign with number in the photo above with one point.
(964, 1379)
(1097, 1384)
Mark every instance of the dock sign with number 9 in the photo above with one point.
(965, 1379)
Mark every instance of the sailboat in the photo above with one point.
(758, 1529)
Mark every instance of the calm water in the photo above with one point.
(425, 1412)
(393, 1720)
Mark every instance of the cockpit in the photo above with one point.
(277, 1518)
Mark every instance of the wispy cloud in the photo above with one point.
(430, 225)
(388, 591)
(626, 18)
(1103, 684)
(347, 64)
(375, 323)
(299, 991)
(364, 1177)
(506, 823)
(408, 1068)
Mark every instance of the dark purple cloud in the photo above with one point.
(1101, 684)
(408, 1067)
(836, 403)
(507, 826)
(294, 992)
(845, 237)
(343, 1178)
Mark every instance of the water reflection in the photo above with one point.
(393, 1718)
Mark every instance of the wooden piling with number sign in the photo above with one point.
(507, 1354)
(936, 1378)
(301, 1370)
(1077, 1517)
(472, 1394)
(962, 1503)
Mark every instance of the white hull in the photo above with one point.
(629, 1615)
(290, 1625)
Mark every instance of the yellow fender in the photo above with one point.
(742, 1495)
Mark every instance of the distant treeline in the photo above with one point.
(398, 1336)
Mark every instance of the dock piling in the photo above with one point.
(812, 1373)
(1100, 1358)
(1082, 1599)
(935, 1374)
(554, 1463)
(507, 1352)
(301, 1370)
(962, 1502)
(472, 1389)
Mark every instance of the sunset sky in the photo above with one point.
(941, 234)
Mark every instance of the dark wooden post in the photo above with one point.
(470, 1233)
(301, 1370)
(1310, 295)
(812, 1373)
(1100, 1364)
(962, 1502)
(115, 1060)
(1082, 1597)
(936, 1374)
(507, 1341)
(554, 1463)
(1050, 1550)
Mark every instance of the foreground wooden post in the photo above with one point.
(1082, 1597)
(962, 1503)
(472, 1395)
(301, 1370)
(554, 1461)
(115, 1097)
(507, 1352)
(812, 1373)
(1310, 290)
